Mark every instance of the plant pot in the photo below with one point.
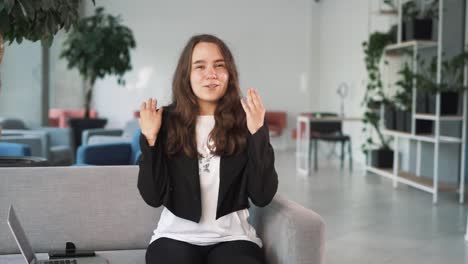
(78, 125)
(448, 103)
(408, 121)
(424, 127)
(382, 158)
(374, 106)
(431, 103)
(421, 102)
(417, 29)
(400, 120)
(403, 120)
(389, 117)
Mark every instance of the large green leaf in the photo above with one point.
(36, 19)
(47, 4)
(4, 22)
(27, 7)
(9, 5)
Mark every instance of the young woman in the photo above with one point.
(203, 157)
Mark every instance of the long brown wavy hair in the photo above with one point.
(229, 132)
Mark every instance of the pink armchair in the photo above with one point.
(276, 122)
(59, 117)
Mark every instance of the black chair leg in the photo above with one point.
(311, 149)
(350, 153)
(315, 155)
(342, 154)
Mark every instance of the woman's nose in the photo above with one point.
(211, 72)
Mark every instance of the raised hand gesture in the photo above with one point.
(254, 110)
(150, 120)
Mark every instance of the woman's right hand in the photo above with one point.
(150, 120)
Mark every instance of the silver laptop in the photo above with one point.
(30, 256)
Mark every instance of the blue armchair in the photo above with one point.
(118, 153)
(14, 149)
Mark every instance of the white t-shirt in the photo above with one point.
(208, 231)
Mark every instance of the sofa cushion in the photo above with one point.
(97, 208)
(136, 256)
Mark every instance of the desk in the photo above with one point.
(28, 161)
(19, 259)
(303, 137)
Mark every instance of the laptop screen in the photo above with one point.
(20, 236)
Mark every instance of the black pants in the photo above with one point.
(170, 251)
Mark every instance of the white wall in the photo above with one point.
(295, 53)
(271, 42)
(66, 86)
(344, 25)
(20, 89)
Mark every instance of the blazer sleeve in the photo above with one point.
(262, 179)
(153, 178)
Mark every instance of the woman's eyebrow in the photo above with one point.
(203, 61)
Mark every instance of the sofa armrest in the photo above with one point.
(290, 233)
(88, 133)
(38, 142)
(58, 136)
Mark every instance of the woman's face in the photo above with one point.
(209, 76)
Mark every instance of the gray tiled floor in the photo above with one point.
(368, 221)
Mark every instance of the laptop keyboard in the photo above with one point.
(63, 261)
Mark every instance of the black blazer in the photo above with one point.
(175, 182)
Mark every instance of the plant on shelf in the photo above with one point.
(402, 99)
(374, 95)
(98, 46)
(392, 4)
(452, 72)
(403, 95)
(425, 9)
(417, 19)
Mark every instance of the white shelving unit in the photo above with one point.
(397, 176)
(413, 44)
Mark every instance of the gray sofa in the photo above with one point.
(100, 208)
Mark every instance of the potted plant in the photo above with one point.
(418, 20)
(381, 154)
(98, 46)
(403, 100)
(449, 88)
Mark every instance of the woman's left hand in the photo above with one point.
(254, 110)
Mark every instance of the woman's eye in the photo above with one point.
(219, 65)
(200, 67)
